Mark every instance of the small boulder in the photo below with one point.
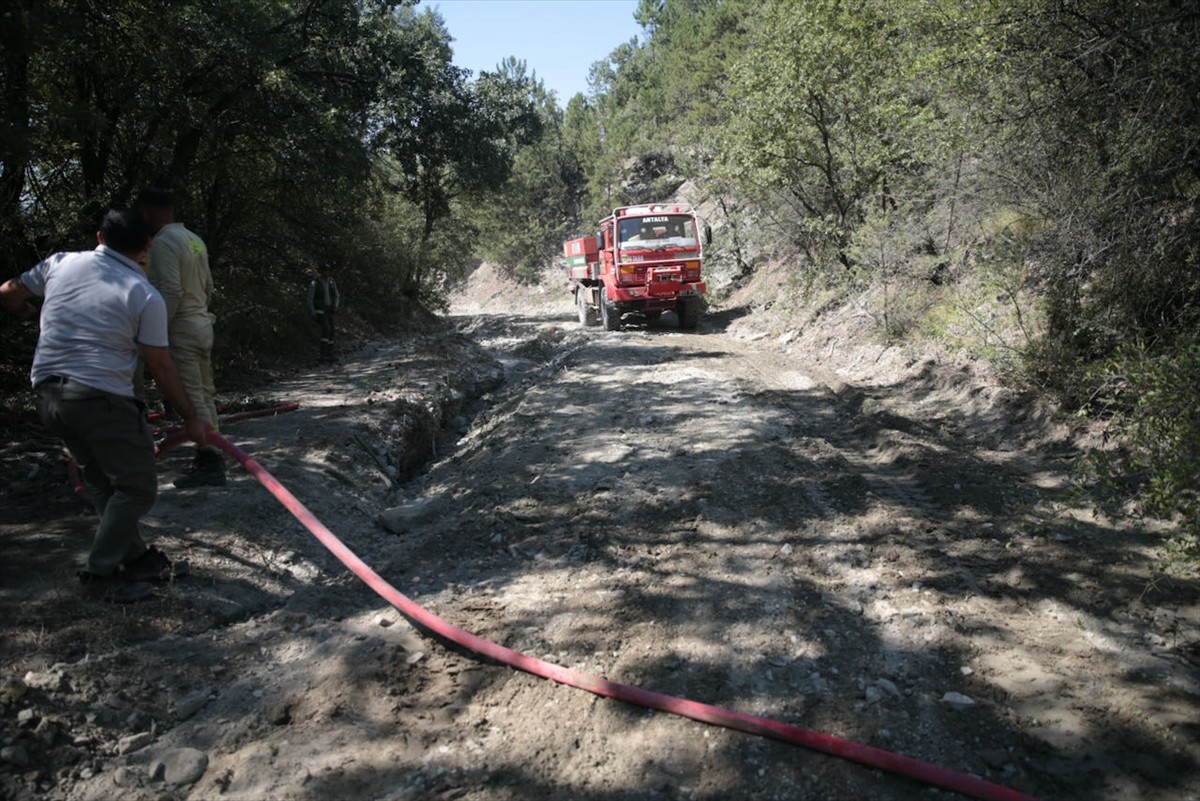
(134, 742)
(958, 700)
(48, 680)
(124, 777)
(400, 519)
(179, 767)
(190, 704)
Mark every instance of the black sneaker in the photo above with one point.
(115, 589)
(153, 565)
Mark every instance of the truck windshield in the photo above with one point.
(656, 233)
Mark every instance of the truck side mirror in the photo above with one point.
(707, 234)
(600, 241)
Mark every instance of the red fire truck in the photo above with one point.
(645, 260)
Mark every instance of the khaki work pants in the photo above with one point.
(191, 351)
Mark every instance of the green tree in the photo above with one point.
(274, 122)
(836, 105)
(694, 45)
(447, 139)
(524, 222)
(1100, 122)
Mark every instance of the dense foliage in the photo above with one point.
(291, 132)
(1031, 168)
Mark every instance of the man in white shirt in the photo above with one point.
(98, 310)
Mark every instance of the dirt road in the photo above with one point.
(710, 515)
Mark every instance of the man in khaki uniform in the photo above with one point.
(177, 266)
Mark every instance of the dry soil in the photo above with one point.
(865, 541)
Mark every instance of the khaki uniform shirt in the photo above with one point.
(178, 266)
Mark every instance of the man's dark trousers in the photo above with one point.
(110, 440)
(325, 318)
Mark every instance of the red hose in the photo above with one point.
(163, 415)
(176, 435)
(927, 772)
(77, 484)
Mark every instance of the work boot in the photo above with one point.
(115, 588)
(153, 565)
(208, 470)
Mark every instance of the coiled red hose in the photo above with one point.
(899, 764)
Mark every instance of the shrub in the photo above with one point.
(1155, 429)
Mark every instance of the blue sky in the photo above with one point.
(558, 39)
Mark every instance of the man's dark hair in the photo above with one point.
(125, 231)
(155, 198)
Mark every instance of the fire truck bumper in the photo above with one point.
(644, 297)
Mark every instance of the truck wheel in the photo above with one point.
(688, 311)
(610, 316)
(587, 312)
